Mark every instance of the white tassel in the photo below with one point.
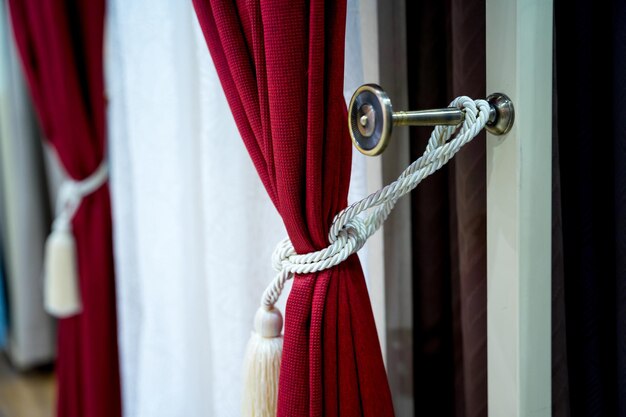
(61, 290)
(262, 364)
(61, 293)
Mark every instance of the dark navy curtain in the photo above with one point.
(590, 249)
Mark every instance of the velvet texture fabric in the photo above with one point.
(281, 66)
(60, 43)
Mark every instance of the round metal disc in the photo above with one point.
(371, 119)
(502, 122)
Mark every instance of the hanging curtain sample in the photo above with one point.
(191, 217)
(61, 48)
(187, 286)
(24, 213)
(3, 306)
(589, 210)
(281, 67)
(449, 216)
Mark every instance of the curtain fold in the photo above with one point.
(182, 284)
(449, 215)
(619, 190)
(3, 308)
(3, 304)
(560, 377)
(60, 44)
(470, 188)
(281, 67)
(590, 229)
(435, 265)
(24, 212)
(186, 286)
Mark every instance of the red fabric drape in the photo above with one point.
(281, 65)
(60, 43)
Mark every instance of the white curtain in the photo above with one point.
(193, 227)
(24, 212)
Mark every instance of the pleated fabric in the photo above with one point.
(3, 305)
(24, 213)
(588, 214)
(185, 283)
(61, 48)
(619, 189)
(470, 188)
(446, 58)
(281, 66)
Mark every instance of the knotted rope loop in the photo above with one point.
(286, 261)
(349, 230)
(61, 286)
(72, 192)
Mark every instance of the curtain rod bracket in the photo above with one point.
(371, 118)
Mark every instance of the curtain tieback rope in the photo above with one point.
(348, 233)
(61, 292)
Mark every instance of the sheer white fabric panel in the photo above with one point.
(193, 227)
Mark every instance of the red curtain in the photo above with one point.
(281, 66)
(60, 43)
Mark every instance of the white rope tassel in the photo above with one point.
(61, 291)
(262, 364)
(347, 235)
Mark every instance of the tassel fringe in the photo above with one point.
(262, 365)
(61, 293)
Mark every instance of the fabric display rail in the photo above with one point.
(65, 78)
(328, 356)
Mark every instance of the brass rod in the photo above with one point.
(448, 116)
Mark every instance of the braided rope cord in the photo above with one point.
(72, 192)
(349, 231)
